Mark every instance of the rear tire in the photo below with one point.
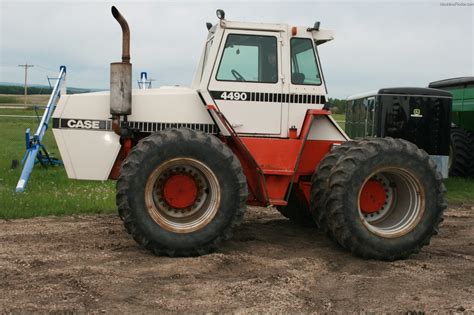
(181, 192)
(385, 199)
(461, 153)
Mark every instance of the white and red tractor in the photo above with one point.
(253, 129)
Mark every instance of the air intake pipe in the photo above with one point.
(121, 78)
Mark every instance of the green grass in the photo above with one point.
(20, 112)
(49, 191)
(460, 190)
(35, 99)
(8, 99)
(340, 119)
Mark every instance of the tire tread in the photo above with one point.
(340, 177)
(132, 165)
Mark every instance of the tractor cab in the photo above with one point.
(263, 77)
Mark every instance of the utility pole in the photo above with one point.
(26, 66)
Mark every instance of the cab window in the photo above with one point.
(304, 67)
(249, 58)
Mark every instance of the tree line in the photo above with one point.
(20, 90)
(338, 106)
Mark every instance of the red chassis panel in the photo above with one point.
(284, 160)
(272, 164)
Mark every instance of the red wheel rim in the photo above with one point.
(180, 191)
(182, 195)
(391, 202)
(372, 197)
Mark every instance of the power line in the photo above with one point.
(45, 68)
(47, 71)
(26, 66)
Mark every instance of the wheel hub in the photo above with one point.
(180, 191)
(372, 197)
(371, 205)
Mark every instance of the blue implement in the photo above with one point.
(34, 148)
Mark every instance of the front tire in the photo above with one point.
(181, 192)
(385, 199)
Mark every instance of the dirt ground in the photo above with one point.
(90, 264)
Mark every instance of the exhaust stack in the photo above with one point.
(121, 77)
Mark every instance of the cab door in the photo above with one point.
(246, 81)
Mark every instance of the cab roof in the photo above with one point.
(321, 36)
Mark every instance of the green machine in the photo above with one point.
(462, 132)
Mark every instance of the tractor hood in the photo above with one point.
(82, 125)
(167, 104)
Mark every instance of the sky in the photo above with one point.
(377, 43)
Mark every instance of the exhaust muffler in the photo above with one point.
(121, 77)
